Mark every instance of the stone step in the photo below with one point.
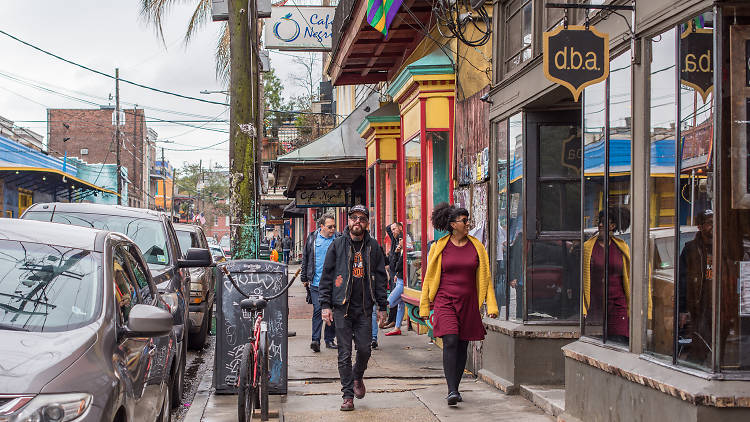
(550, 398)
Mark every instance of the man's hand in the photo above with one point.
(305, 283)
(327, 316)
(382, 317)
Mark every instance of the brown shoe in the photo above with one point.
(359, 389)
(388, 325)
(348, 405)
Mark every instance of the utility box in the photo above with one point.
(264, 8)
(233, 325)
(219, 10)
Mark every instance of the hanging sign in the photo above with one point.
(321, 198)
(576, 57)
(301, 28)
(697, 70)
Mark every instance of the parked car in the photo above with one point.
(217, 253)
(202, 282)
(154, 234)
(84, 335)
(226, 246)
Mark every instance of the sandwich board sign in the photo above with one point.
(576, 57)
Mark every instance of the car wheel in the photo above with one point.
(198, 340)
(179, 379)
(166, 412)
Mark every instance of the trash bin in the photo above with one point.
(258, 277)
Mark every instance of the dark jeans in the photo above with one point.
(317, 321)
(286, 256)
(357, 327)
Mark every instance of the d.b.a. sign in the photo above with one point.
(576, 57)
(696, 46)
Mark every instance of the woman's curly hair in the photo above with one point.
(444, 214)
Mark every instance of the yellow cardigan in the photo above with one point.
(588, 249)
(431, 280)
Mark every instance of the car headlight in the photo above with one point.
(52, 408)
(171, 300)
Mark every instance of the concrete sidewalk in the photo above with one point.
(404, 381)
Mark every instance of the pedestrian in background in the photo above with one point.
(396, 262)
(286, 246)
(456, 284)
(313, 258)
(353, 282)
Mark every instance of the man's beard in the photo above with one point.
(357, 230)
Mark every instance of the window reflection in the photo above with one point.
(515, 220)
(413, 201)
(501, 253)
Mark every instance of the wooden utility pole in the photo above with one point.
(244, 129)
(137, 184)
(164, 179)
(117, 135)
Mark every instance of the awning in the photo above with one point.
(291, 211)
(49, 180)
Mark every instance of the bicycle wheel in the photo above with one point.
(263, 376)
(246, 393)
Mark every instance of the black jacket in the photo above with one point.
(395, 259)
(335, 289)
(307, 274)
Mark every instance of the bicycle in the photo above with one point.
(252, 382)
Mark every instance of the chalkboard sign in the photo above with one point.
(233, 325)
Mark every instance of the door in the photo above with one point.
(133, 358)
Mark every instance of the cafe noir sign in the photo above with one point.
(321, 198)
(301, 28)
(696, 70)
(576, 57)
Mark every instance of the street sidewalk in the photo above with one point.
(404, 381)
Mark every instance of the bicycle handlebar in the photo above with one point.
(224, 269)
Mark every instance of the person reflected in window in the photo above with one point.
(123, 290)
(696, 280)
(618, 283)
(456, 284)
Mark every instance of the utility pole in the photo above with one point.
(117, 135)
(164, 179)
(135, 151)
(244, 128)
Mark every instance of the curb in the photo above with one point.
(198, 406)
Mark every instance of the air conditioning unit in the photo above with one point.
(264, 8)
(265, 61)
(219, 10)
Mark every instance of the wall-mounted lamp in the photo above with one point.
(486, 98)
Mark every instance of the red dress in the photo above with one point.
(618, 323)
(456, 306)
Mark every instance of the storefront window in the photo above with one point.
(413, 201)
(661, 188)
(439, 158)
(501, 252)
(606, 221)
(515, 218)
(371, 199)
(518, 33)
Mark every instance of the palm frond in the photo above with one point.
(222, 55)
(154, 12)
(198, 19)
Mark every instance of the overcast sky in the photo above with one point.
(105, 34)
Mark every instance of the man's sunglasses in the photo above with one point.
(361, 218)
(331, 227)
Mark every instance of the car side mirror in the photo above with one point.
(196, 257)
(148, 321)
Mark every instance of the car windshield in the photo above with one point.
(47, 288)
(187, 240)
(147, 234)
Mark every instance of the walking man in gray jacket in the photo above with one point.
(313, 257)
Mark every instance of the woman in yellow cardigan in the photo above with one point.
(456, 284)
(618, 285)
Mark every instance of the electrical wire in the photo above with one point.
(187, 97)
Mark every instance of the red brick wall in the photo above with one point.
(93, 129)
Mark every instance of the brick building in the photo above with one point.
(89, 134)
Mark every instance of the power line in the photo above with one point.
(187, 97)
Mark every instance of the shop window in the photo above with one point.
(605, 260)
(439, 157)
(518, 31)
(25, 199)
(413, 202)
(515, 241)
(371, 199)
(501, 247)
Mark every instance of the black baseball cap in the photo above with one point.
(359, 208)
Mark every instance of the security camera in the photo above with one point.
(486, 98)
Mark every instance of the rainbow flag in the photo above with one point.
(380, 13)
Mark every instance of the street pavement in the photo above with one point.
(404, 381)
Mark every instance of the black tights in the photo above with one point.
(454, 360)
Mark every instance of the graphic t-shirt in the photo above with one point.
(358, 292)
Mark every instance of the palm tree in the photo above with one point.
(237, 63)
(154, 12)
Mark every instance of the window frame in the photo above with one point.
(507, 16)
